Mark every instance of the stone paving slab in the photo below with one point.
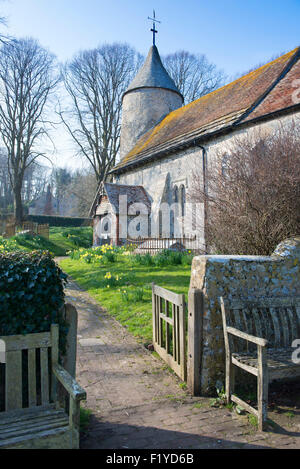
(137, 402)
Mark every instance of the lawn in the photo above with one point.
(123, 287)
(61, 240)
(72, 238)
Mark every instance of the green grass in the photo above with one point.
(27, 242)
(252, 419)
(61, 240)
(85, 415)
(72, 238)
(128, 299)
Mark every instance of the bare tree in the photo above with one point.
(6, 194)
(253, 193)
(27, 79)
(83, 188)
(34, 183)
(193, 74)
(95, 81)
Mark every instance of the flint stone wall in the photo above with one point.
(238, 277)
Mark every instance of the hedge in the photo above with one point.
(31, 294)
(53, 220)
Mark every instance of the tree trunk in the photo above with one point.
(18, 207)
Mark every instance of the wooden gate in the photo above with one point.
(169, 329)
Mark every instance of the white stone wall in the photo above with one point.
(142, 109)
(224, 144)
(179, 168)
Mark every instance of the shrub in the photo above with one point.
(143, 259)
(101, 254)
(54, 220)
(163, 258)
(252, 198)
(31, 294)
(7, 245)
(109, 256)
(167, 257)
(112, 280)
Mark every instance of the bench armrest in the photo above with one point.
(69, 383)
(249, 337)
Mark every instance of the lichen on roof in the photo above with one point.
(233, 99)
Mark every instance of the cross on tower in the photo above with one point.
(153, 28)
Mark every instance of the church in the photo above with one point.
(164, 141)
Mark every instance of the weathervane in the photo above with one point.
(153, 28)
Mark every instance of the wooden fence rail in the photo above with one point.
(42, 230)
(169, 329)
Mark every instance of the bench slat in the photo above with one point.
(44, 376)
(293, 325)
(284, 326)
(32, 377)
(276, 324)
(46, 433)
(13, 380)
(267, 302)
(276, 359)
(27, 426)
(28, 341)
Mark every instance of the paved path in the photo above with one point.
(137, 402)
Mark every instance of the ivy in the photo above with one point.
(31, 294)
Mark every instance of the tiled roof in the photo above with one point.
(153, 74)
(223, 107)
(284, 95)
(134, 194)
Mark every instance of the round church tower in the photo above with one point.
(149, 98)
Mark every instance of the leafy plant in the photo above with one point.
(125, 296)
(138, 294)
(220, 400)
(31, 294)
(252, 419)
(85, 416)
(290, 414)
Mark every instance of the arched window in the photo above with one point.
(182, 199)
(160, 224)
(175, 194)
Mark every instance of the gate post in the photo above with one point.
(195, 321)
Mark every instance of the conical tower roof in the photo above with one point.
(153, 74)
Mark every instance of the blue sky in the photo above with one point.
(236, 35)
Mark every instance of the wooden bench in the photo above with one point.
(258, 338)
(33, 415)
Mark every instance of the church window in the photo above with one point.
(175, 194)
(182, 199)
(160, 224)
